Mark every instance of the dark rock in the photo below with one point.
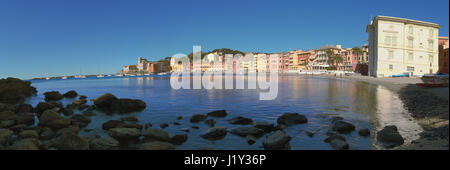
(246, 131)
(215, 133)
(104, 143)
(53, 96)
(156, 145)
(160, 135)
(70, 94)
(112, 124)
(176, 123)
(88, 113)
(127, 105)
(14, 90)
(333, 137)
(289, 119)
(70, 141)
(277, 141)
(28, 134)
(18, 128)
(164, 125)
(66, 112)
(25, 144)
(343, 127)
(210, 122)
(53, 120)
(43, 106)
(179, 139)
(185, 130)
(82, 97)
(71, 129)
(5, 136)
(339, 144)
(81, 120)
(364, 132)
(217, 113)
(148, 125)
(132, 125)
(195, 127)
(104, 101)
(310, 134)
(251, 139)
(337, 118)
(47, 134)
(390, 136)
(130, 119)
(197, 118)
(7, 115)
(7, 123)
(179, 117)
(122, 134)
(267, 127)
(240, 121)
(24, 108)
(6, 107)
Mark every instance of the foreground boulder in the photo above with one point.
(240, 121)
(215, 133)
(128, 105)
(364, 132)
(53, 120)
(70, 94)
(218, 113)
(156, 145)
(277, 141)
(5, 136)
(197, 118)
(247, 131)
(160, 135)
(112, 124)
(104, 143)
(81, 120)
(53, 96)
(343, 127)
(43, 106)
(390, 136)
(289, 119)
(179, 139)
(25, 144)
(70, 141)
(339, 144)
(14, 90)
(7, 115)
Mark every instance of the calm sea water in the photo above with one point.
(318, 98)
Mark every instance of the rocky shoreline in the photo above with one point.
(429, 107)
(52, 126)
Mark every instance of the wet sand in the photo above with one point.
(432, 115)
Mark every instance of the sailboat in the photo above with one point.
(80, 76)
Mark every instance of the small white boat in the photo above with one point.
(80, 77)
(65, 77)
(48, 78)
(100, 76)
(119, 75)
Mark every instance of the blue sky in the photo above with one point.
(63, 37)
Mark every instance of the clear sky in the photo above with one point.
(40, 38)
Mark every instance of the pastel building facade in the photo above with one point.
(443, 55)
(399, 46)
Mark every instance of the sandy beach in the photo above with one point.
(428, 106)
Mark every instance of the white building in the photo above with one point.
(399, 46)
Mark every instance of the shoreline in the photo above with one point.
(434, 119)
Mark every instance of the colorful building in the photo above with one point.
(443, 55)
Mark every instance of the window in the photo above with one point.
(409, 68)
(410, 29)
(391, 67)
(391, 55)
(410, 43)
(430, 58)
(430, 44)
(410, 56)
(431, 33)
(394, 41)
(387, 40)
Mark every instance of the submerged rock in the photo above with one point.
(246, 131)
(215, 133)
(251, 139)
(53, 96)
(81, 120)
(104, 101)
(112, 124)
(364, 132)
(122, 134)
(197, 118)
(5, 136)
(210, 122)
(130, 119)
(28, 134)
(240, 121)
(70, 94)
(390, 136)
(267, 127)
(164, 125)
(339, 144)
(277, 141)
(289, 119)
(343, 127)
(217, 113)
(179, 139)
(160, 135)
(128, 105)
(333, 137)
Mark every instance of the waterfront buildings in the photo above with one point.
(399, 46)
(443, 54)
(144, 66)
